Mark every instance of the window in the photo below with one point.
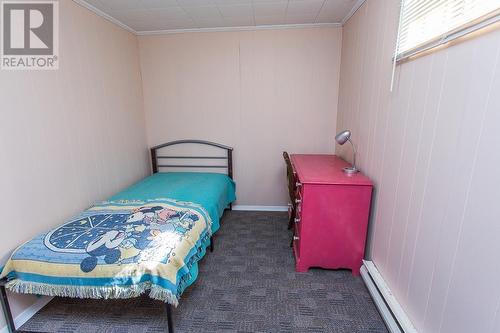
(425, 24)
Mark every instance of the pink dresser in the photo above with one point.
(332, 213)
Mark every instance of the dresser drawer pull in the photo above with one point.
(295, 237)
(298, 201)
(297, 220)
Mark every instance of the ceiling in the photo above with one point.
(142, 16)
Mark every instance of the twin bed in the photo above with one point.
(145, 239)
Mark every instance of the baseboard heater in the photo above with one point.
(391, 311)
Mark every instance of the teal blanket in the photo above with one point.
(117, 249)
(212, 191)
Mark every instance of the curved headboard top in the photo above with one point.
(201, 142)
(202, 161)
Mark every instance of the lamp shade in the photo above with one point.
(342, 137)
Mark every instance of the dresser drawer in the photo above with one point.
(296, 240)
(298, 219)
(297, 205)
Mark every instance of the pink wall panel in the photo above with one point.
(430, 147)
(70, 137)
(262, 92)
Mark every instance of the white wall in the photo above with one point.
(73, 136)
(261, 92)
(431, 147)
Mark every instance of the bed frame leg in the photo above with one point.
(212, 244)
(170, 320)
(6, 308)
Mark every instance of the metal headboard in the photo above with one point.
(156, 157)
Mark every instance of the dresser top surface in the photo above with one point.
(325, 169)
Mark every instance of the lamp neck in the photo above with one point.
(353, 154)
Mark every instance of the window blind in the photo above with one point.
(427, 23)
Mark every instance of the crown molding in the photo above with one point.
(353, 11)
(102, 14)
(111, 19)
(243, 28)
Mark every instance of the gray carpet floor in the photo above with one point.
(247, 285)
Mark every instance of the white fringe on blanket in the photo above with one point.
(113, 292)
(96, 292)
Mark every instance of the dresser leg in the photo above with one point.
(356, 271)
(301, 269)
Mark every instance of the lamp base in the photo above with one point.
(350, 170)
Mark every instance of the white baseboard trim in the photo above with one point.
(391, 311)
(261, 208)
(24, 316)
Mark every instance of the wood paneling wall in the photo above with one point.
(73, 136)
(432, 148)
(261, 92)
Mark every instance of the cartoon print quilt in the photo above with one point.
(117, 249)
